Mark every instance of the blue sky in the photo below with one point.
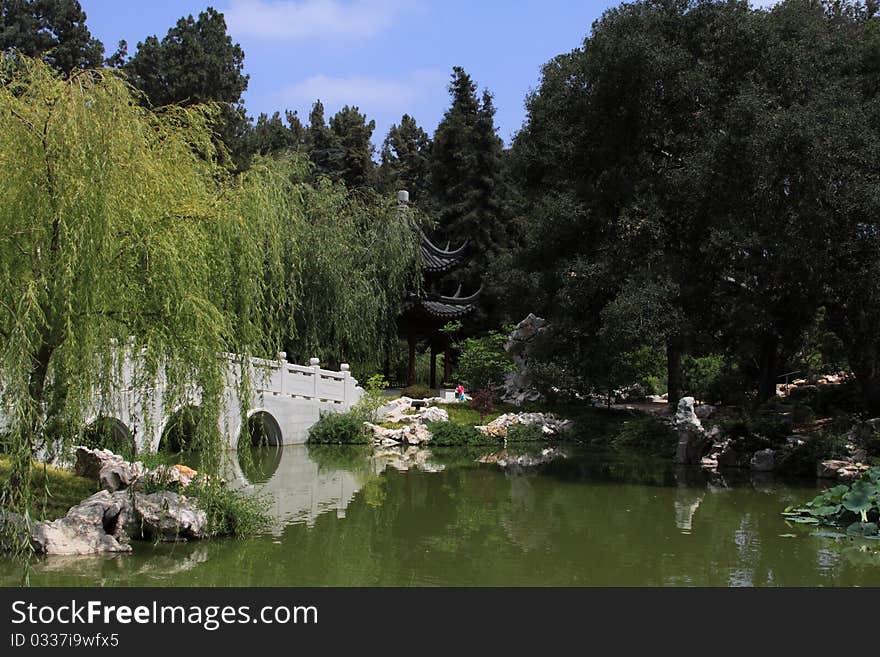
(389, 57)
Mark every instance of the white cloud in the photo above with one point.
(764, 4)
(304, 20)
(366, 91)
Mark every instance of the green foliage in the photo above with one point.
(702, 377)
(801, 460)
(405, 159)
(338, 428)
(855, 507)
(645, 434)
(521, 433)
(483, 362)
(52, 29)
(418, 391)
(230, 512)
(768, 423)
(372, 399)
(450, 433)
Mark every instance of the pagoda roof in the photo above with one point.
(437, 260)
(439, 306)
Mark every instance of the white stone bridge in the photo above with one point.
(286, 400)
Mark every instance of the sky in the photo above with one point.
(388, 57)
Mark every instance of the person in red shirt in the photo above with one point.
(459, 393)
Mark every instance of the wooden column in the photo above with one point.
(433, 365)
(447, 364)
(411, 340)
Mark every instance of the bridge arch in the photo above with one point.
(179, 431)
(260, 447)
(109, 432)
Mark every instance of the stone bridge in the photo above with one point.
(286, 400)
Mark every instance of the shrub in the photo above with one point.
(449, 433)
(484, 403)
(418, 391)
(646, 434)
(230, 512)
(802, 459)
(483, 362)
(373, 398)
(524, 433)
(338, 428)
(769, 424)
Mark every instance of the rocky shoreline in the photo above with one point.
(122, 511)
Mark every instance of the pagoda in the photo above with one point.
(425, 313)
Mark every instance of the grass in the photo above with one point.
(54, 490)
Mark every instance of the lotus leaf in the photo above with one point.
(863, 529)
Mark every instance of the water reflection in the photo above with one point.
(352, 516)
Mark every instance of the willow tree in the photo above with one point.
(118, 226)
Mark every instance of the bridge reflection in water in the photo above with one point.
(297, 488)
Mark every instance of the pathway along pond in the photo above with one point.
(345, 518)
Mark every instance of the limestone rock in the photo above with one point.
(517, 385)
(692, 439)
(110, 470)
(433, 414)
(550, 425)
(167, 516)
(81, 531)
(840, 470)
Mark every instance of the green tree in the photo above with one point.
(52, 29)
(465, 173)
(321, 144)
(196, 62)
(352, 133)
(118, 225)
(271, 135)
(406, 155)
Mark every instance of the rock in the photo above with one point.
(840, 470)
(518, 387)
(433, 414)
(415, 434)
(395, 407)
(82, 530)
(550, 425)
(763, 460)
(167, 516)
(108, 469)
(176, 476)
(692, 439)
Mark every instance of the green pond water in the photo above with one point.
(344, 516)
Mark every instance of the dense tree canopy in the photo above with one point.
(120, 225)
(52, 29)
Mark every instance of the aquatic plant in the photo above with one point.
(854, 508)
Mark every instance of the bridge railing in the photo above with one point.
(282, 378)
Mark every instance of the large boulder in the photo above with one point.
(84, 529)
(110, 470)
(167, 516)
(692, 439)
(518, 387)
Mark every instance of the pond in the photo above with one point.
(345, 516)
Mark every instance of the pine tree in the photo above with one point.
(352, 133)
(54, 30)
(465, 172)
(405, 160)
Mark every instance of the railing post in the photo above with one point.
(282, 366)
(346, 375)
(316, 368)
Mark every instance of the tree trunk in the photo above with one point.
(674, 346)
(768, 367)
